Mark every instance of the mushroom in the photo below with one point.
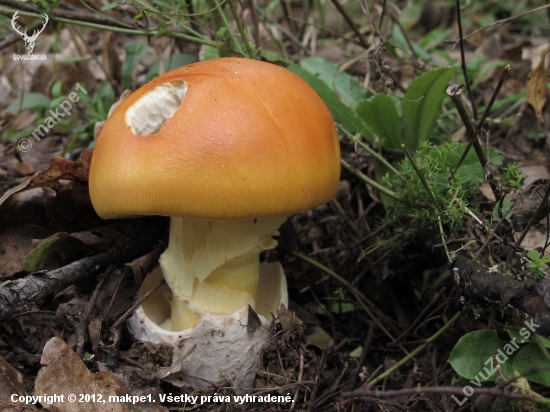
(228, 148)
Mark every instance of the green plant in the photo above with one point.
(538, 261)
(512, 177)
(411, 120)
(481, 358)
(452, 195)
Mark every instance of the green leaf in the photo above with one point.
(341, 113)
(170, 63)
(506, 207)
(523, 335)
(321, 339)
(532, 364)
(135, 50)
(356, 353)
(210, 53)
(55, 252)
(471, 169)
(34, 101)
(422, 105)
(380, 113)
(345, 86)
(109, 6)
(470, 354)
(56, 88)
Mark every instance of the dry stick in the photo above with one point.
(300, 375)
(382, 327)
(501, 81)
(366, 347)
(340, 279)
(20, 294)
(382, 14)
(137, 303)
(443, 390)
(415, 352)
(350, 22)
(255, 22)
(83, 323)
(533, 219)
(499, 23)
(370, 181)
(492, 234)
(463, 59)
(455, 93)
(112, 28)
(417, 320)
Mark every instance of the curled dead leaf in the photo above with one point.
(58, 169)
(536, 86)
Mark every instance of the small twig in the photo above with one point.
(499, 23)
(421, 177)
(300, 375)
(534, 218)
(376, 321)
(343, 213)
(370, 181)
(83, 324)
(138, 302)
(19, 295)
(455, 93)
(463, 59)
(366, 347)
(417, 320)
(106, 27)
(501, 81)
(340, 279)
(350, 22)
(443, 389)
(255, 22)
(415, 352)
(493, 233)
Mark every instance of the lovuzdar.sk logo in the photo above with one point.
(30, 41)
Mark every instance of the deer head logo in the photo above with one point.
(29, 40)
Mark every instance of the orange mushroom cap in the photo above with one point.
(249, 140)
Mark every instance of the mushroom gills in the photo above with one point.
(148, 114)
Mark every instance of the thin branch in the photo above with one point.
(499, 23)
(138, 302)
(463, 59)
(533, 219)
(415, 352)
(443, 390)
(148, 33)
(20, 294)
(371, 182)
(350, 22)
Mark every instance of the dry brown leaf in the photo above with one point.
(536, 86)
(58, 169)
(11, 383)
(15, 244)
(61, 169)
(533, 174)
(63, 373)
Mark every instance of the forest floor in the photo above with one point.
(377, 301)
